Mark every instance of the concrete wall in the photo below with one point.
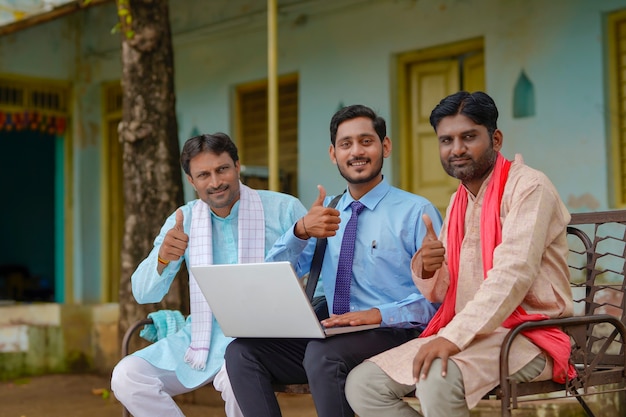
(53, 338)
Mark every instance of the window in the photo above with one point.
(251, 133)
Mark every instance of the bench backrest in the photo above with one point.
(598, 265)
(597, 261)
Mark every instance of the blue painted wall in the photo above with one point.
(344, 52)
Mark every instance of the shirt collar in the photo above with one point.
(232, 215)
(369, 200)
(481, 190)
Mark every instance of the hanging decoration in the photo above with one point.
(523, 97)
(32, 121)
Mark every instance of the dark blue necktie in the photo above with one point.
(341, 303)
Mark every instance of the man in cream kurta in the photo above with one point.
(529, 269)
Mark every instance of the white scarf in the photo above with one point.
(251, 249)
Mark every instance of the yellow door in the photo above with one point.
(430, 82)
(426, 83)
(474, 72)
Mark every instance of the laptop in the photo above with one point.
(262, 300)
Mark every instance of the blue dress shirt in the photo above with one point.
(389, 232)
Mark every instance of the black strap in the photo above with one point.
(318, 257)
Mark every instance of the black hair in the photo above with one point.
(477, 106)
(216, 143)
(352, 112)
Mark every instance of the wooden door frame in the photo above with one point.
(109, 287)
(617, 141)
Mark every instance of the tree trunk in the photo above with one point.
(149, 136)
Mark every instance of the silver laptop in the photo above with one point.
(262, 300)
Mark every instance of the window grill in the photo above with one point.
(40, 97)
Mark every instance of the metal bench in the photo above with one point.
(597, 262)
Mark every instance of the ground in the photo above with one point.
(86, 396)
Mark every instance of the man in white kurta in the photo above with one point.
(529, 269)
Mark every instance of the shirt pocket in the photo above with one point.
(386, 259)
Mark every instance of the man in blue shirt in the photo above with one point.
(381, 290)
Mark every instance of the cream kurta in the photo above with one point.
(529, 268)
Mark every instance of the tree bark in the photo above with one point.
(149, 136)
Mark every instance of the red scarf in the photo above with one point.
(552, 340)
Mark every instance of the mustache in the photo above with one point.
(358, 159)
(459, 158)
(217, 189)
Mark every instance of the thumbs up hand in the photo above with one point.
(179, 221)
(433, 252)
(320, 221)
(175, 241)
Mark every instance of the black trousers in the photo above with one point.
(254, 364)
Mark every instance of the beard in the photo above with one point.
(353, 179)
(477, 168)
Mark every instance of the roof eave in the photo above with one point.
(60, 11)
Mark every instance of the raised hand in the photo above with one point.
(320, 221)
(175, 241)
(433, 252)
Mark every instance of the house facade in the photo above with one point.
(556, 69)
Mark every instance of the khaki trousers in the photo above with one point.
(371, 393)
